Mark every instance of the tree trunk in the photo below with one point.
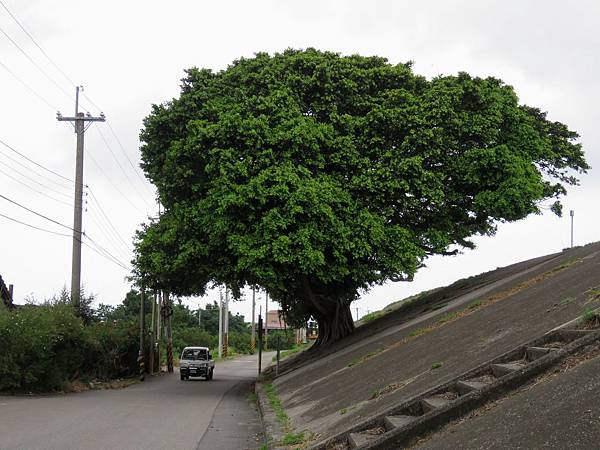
(334, 325)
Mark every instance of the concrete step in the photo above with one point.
(391, 422)
(357, 440)
(500, 370)
(464, 387)
(534, 353)
(431, 403)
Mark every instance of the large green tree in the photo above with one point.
(317, 176)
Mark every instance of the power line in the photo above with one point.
(116, 245)
(36, 43)
(19, 163)
(37, 66)
(113, 184)
(121, 167)
(33, 91)
(31, 188)
(136, 170)
(34, 227)
(35, 163)
(36, 213)
(106, 218)
(102, 250)
(35, 181)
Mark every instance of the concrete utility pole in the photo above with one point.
(266, 322)
(226, 324)
(357, 313)
(169, 314)
(79, 121)
(253, 335)
(220, 323)
(152, 334)
(572, 214)
(142, 332)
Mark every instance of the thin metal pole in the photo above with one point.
(572, 213)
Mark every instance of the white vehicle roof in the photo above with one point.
(196, 348)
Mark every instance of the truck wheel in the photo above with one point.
(182, 377)
(210, 376)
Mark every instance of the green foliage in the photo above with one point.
(316, 175)
(436, 365)
(293, 439)
(41, 347)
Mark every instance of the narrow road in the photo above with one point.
(161, 413)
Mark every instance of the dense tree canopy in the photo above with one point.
(316, 175)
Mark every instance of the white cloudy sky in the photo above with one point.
(130, 54)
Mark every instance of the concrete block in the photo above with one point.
(464, 387)
(431, 403)
(500, 370)
(391, 422)
(357, 440)
(534, 353)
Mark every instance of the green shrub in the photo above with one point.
(112, 350)
(41, 347)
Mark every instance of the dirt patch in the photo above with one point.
(448, 395)
(554, 344)
(374, 431)
(487, 378)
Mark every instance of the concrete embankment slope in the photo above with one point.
(456, 328)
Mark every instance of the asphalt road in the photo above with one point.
(161, 413)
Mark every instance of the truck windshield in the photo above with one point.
(197, 354)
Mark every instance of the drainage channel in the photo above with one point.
(401, 425)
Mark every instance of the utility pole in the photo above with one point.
(572, 213)
(266, 322)
(220, 323)
(253, 335)
(79, 121)
(142, 332)
(152, 334)
(226, 324)
(169, 314)
(260, 347)
(357, 313)
(199, 316)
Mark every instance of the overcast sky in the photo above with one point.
(131, 54)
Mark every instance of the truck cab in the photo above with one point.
(196, 362)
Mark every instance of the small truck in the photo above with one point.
(196, 362)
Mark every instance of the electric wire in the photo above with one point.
(121, 167)
(102, 250)
(33, 91)
(36, 213)
(36, 163)
(34, 227)
(19, 163)
(133, 167)
(113, 184)
(94, 217)
(99, 249)
(95, 199)
(35, 181)
(31, 188)
(37, 66)
(36, 43)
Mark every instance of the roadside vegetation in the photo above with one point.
(50, 346)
